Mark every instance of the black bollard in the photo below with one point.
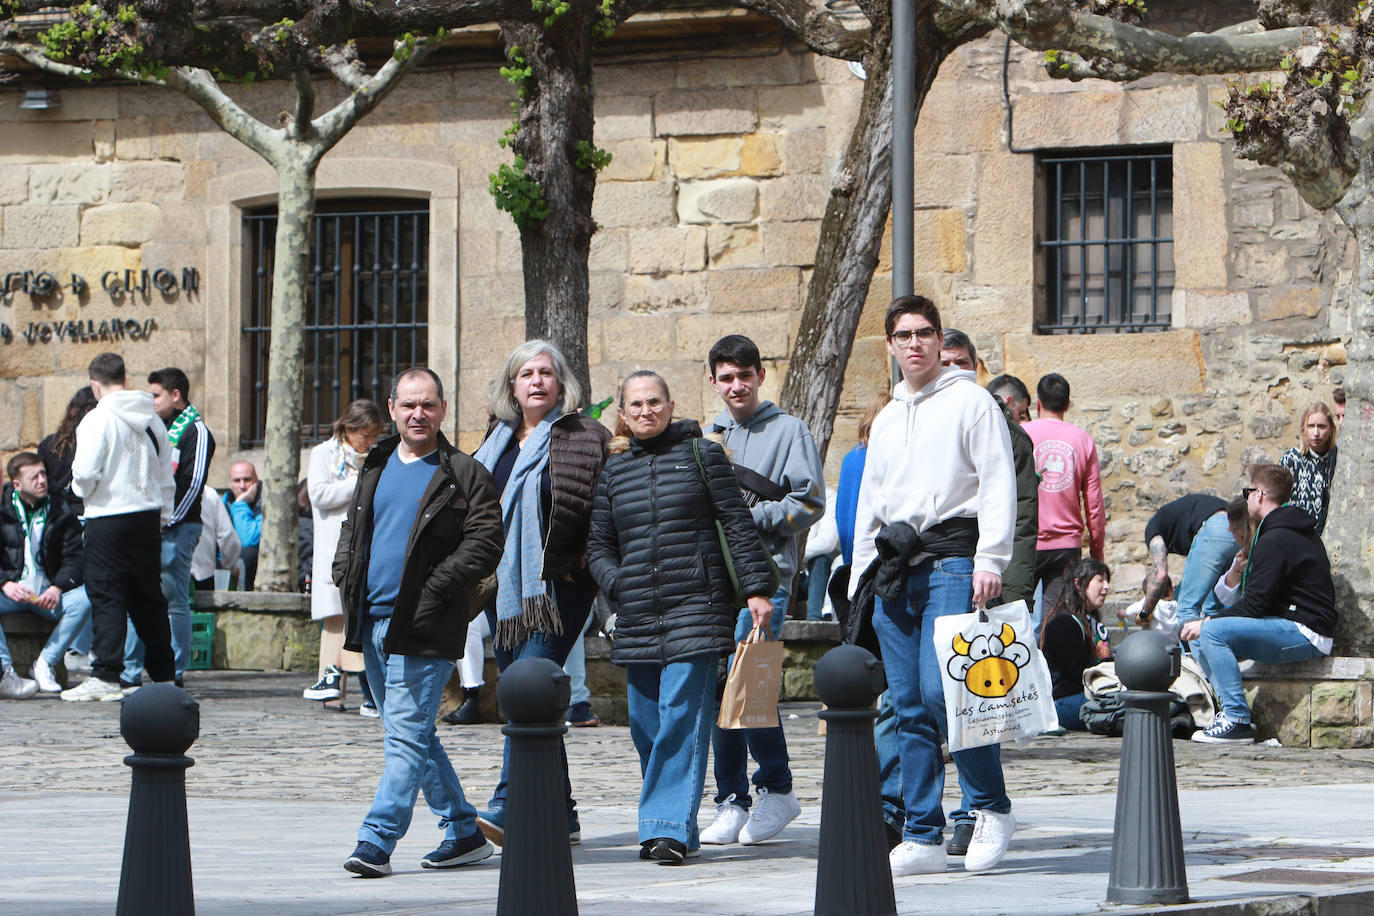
(1147, 841)
(853, 877)
(160, 722)
(536, 861)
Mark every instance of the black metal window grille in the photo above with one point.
(1108, 245)
(366, 310)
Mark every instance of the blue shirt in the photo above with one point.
(847, 501)
(395, 504)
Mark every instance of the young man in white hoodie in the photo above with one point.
(122, 468)
(939, 460)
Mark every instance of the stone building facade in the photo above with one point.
(725, 148)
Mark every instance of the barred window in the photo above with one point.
(366, 310)
(1107, 249)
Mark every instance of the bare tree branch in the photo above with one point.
(822, 30)
(1047, 25)
(300, 126)
(345, 68)
(333, 124)
(201, 88)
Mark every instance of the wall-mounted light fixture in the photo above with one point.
(41, 100)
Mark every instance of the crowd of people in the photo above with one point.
(687, 539)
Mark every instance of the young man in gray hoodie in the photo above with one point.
(786, 495)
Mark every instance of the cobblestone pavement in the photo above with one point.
(260, 740)
(280, 784)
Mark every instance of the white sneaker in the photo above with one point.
(991, 835)
(14, 687)
(42, 673)
(771, 813)
(93, 688)
(912, 858)
(76, 661)
(725, 829)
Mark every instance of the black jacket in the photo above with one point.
(60, 550)
(1288, 574)
(654, 552)
(454, 544)
(191, 456)
(1018, 581)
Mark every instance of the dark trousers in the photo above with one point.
(124, 583)
(1050, 566)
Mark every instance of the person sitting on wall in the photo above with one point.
(244, 501)
(40, 571)
(1286, 611)
(1194, 526)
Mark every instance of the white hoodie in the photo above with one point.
(942, 452)
(117, 469)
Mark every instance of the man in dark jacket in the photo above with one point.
(192, 448)
(1286, 611)
(422, 533)
(40, 571)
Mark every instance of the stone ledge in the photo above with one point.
(254, 602)
(1330, 668)
(25, 623)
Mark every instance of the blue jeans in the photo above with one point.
(178, 543)
(817, 579)
(407, 689)
(1208, 560)
(905, 628)
(575, 602)
(670, 723)
(1070, 712)
(767, 745)
(576, 667)
(73, 614)
(1223, 640)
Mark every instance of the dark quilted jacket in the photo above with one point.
(577, 450)
(60, 550)
(653, 548)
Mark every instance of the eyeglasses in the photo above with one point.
(1246, 491)
(651, 405)
(924, 335)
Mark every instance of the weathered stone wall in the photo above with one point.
(1258, 311)
(709, 216)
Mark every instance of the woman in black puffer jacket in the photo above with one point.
(653, 550)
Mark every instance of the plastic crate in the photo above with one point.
(202, 641)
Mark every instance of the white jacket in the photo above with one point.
(939, 453)
(219, 546)
(118, 468)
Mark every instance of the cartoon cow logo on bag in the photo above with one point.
(989, 665)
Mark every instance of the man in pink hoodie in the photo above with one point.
(1066, 460)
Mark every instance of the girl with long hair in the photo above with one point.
(1312, 462)
(1073, 638)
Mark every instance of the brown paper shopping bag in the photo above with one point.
(751, 690)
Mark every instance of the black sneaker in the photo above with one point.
(368, 861)
(668, 851)
(580, 715)
(451, 853)
(958, 843)
(1224, 731)
(327, 687)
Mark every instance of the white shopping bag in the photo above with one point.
(997, 685)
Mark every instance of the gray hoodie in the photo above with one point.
(781, 448)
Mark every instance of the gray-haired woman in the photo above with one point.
(545, 458)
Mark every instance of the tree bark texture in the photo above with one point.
(286, 374)
(1348, 531)
(852, 232)
(555, 114)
